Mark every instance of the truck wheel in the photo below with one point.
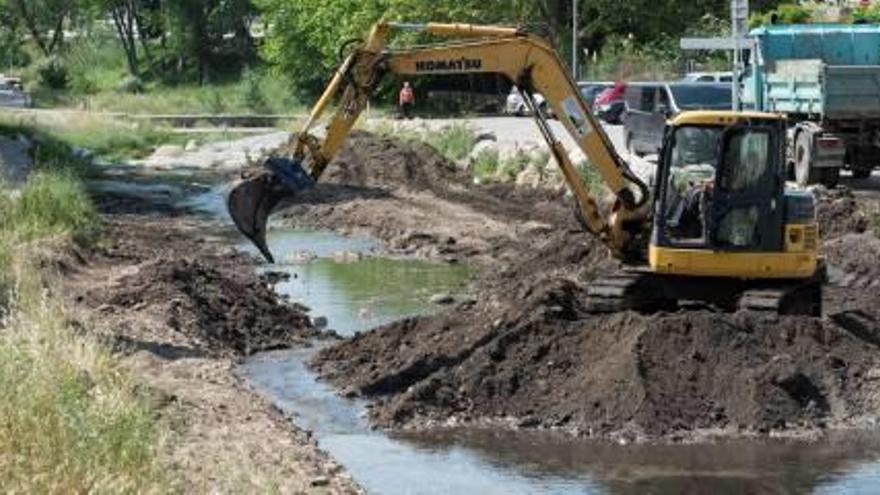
(804, 172)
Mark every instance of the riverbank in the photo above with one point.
(123, 325)
(181, 309)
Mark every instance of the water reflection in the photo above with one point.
(328, 275)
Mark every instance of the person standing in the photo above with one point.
(407, 100)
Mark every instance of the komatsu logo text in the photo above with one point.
(451, 65)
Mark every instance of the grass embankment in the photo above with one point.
(106, 137)
(71, 419)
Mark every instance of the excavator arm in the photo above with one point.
(527, 60)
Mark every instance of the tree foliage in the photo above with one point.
(44, 20)
(306, 35)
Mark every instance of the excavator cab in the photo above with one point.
(726, 231)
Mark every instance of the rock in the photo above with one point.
(191, 145)
(319, 321)
(530, 177)
(442, 299)
(485, 136)
(168, 151)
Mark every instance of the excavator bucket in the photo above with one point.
(253, 199)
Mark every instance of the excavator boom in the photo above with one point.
(526, 59)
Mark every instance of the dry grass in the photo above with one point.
(71, 419)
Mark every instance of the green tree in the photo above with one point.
(306, 35)
(44, 20)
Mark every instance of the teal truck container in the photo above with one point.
(826, 79)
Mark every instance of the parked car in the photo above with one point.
(708, 77)
(516, 106)
(12, 93)
(650, 104)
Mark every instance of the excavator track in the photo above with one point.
(626, 290)
(795, 299)
(647, 292)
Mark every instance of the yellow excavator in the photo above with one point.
(718, 227)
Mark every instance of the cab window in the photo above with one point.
(692, 158)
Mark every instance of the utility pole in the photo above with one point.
(574, 39)
(739, 15)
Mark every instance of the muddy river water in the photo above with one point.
(355, 289)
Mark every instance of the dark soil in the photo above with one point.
(208, 295)
(838, 212)
(527, 354)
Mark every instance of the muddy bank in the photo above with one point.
(206, 295)
(529, 356)
(526, 354)
(181, 308)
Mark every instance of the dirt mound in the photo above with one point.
(544, 364)
(216, 306)
(368, 160)
(853, 260)
(208, 294)
(838, 212)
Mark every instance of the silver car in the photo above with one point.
(12, 95)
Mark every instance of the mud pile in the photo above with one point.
(368, 160)
(218, 307)
(527, 354)
(838, 212)
(209, 295)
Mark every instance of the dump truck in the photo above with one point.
(825, 78)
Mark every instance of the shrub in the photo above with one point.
(512, 166)
(131, 84)
(252, 93)
(485, 164)
(454, 142)
(53, 73)
(54, 203)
